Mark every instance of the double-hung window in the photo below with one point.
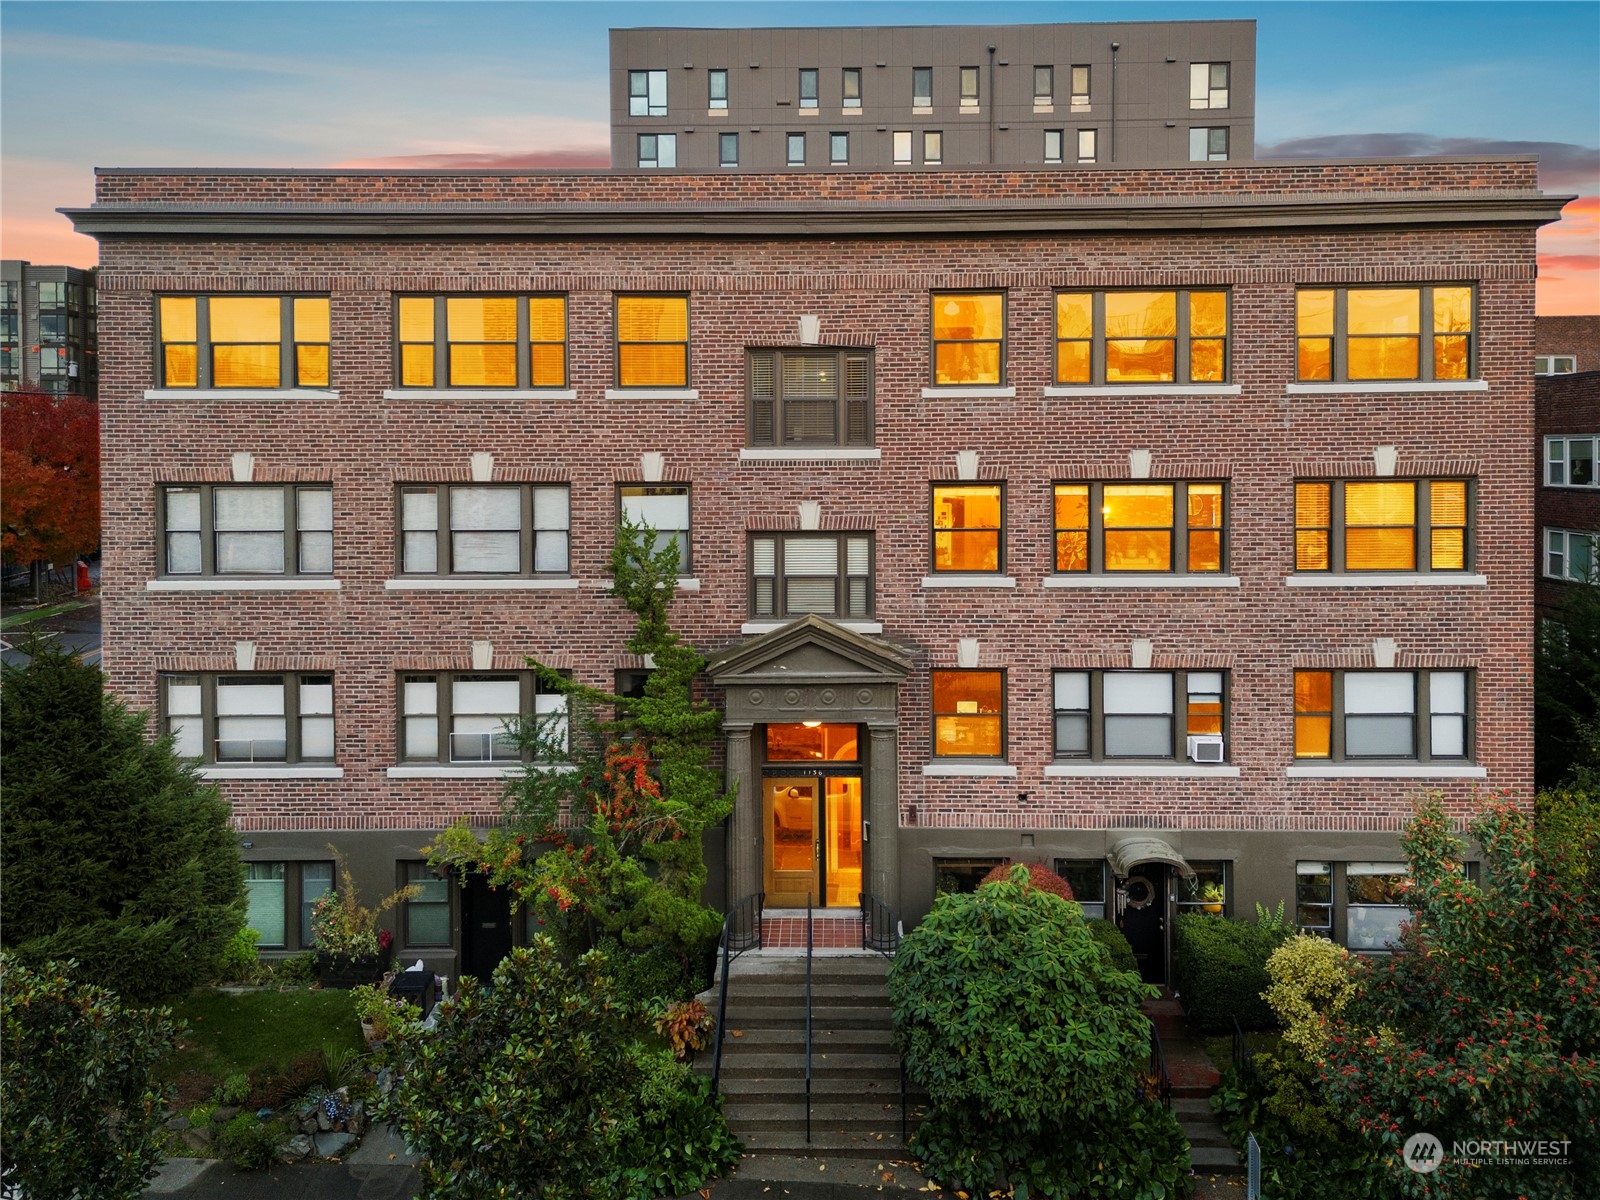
(795, 574)
(850, 88)
(1044, 86)
(1088, 145)
(968, 527)
(969, 338)
(1571, 555)
(1145, 527)
(243, 341)
(479, 717)
(1141, 337)
(839, 149)
(647, 93)
(1352, 715)
(246, 530)
(425, 917)
(921, 87)
(1087, 879)
(1375, 908)
(1052, 145)
(652, 341)
(1383, 525)
(932, 147)
(969, 87)
(728, 149)
(1208, 144)
(1174, 715)
(1208, 85)
(969, 714)
(250, 718)
(1206, 891)
(808, 89)
(482, 341)
(810, 397)
(717, 89)
(795, 149)
(279, 899)
(663, 507)
(1569, 462)
(484, 529)
(1080, 88)
(1384, 333)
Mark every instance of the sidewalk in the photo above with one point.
(378, 1169)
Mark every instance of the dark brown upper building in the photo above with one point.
(1567, 416)
(928, 96)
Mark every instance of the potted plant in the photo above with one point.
(1211, 897)
(373, 1009)
(350, 947)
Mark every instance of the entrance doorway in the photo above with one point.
(485, 928)
(1142, 913)
(813, 838)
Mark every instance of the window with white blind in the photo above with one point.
(663, 507)
(271, 529)
(1137, 714)
(279, 897)
(809, 397)
(254, 718)
(795, 574)
(1341, 715)
(475, 718)
(479, 529)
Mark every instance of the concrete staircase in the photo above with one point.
(855, 1076)
(1194, 1079)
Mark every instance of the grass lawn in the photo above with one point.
(16, 620)
(231, 1034)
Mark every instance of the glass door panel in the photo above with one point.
(842, 821)
(792, 842)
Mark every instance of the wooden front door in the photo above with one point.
(793, 841)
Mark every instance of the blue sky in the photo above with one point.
(322, 84)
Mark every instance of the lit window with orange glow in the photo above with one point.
(1393, 525)
(1163, 528)
(969, 714)
(259, 342)
(1141, 337)
(1313, 714)
(653, 341)
(1347, 716)
(481, 341)
(967, 527)
(1384, 334)
(969, 338)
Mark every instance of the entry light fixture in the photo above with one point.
(812, 724)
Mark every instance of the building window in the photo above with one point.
(1080, 88)
(921, 87)
(427, 912)
(969, 337)
(1569, 462)
(664, 507)
(271, 529)
(658, 151)
(462, 717)
(243, 341)
(902, 147)
(808, 88)
(474, 529)
(1139, 714)
(795, 574)
(1351, 715)
(1087, 879)
(1141, 337)
(482, 341)
(1208, 144)
(1313, 896)
(810, 397)
(968, 527)
(1044, 85)
(1373, 901)
(1206, 891)
(279, 899)
(728, 149)
(1144, 527)
(796, 149)
(969, 87)
(961, 876)
(1378, 333)
(52, 294)
(1570, 555)
(850, 88)
(1052, 145)
(839, 149)
(653, 341)
(969, 714)
(1088, 145)
(256, 718)
(717, 89)
(933, 147)
(1382, 525)
(1208, 85)
(647, 93)
(1555, 364)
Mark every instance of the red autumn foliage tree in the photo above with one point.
(49, 476)
(1039, 876)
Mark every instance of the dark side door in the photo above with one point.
(1144, 919)
(485, 928)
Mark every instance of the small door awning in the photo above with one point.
(1128, 852)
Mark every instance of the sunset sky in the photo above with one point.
(522, 84)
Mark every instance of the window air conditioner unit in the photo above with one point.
(1205, 747)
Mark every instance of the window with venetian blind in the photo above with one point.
(809, 397)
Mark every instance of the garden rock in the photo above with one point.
(223, 1113)
(331, 1144)
(178, 1123)
(324, 1122)
(294, 1149)
(197, 1139)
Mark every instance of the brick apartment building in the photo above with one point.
(1567, 416)
(1166, 525)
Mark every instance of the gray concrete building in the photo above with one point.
(917, 97)
(47, 329)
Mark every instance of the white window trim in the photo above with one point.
(1565, 439)
(1066, 391)
(447, 771)
(309, 771)
(241, 394)
(225, 583)
(1566, 550)
(964, 580)
(969, 393)
(1386, 386)
(646, 393)
(971, 770)
(1090, 770)
(468, 393)
(1380, 771)
(810, 454)
(457, 583)
(1082, 579)
(1388, 579)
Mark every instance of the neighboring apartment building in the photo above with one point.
(924, 96)
(47, 329)
(1160, 524)
(1567, 420)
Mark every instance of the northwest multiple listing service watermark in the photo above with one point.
(1424, 1153)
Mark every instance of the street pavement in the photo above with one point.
(78, 629)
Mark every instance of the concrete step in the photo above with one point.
(1193, 1107)
(768, 1037)
(835, 1089)
(793, 966)
(1210, 1160)
(878, 1145)
(793, 1016)
(874, 1115)
(1206, 1134)
(765, 989)
(823, 1066)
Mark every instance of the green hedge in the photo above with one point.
(1220, 970)
(1108, 935)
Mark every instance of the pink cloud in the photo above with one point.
(577, 158)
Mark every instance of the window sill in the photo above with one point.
(969, 581)
(810, 454)
(241, 394)
(1067, 391)
(971, 770)
(224, 583)
(1385, 387)
(969, 393)
(652, 393)
(467, 393)
(449, 583)
(1387, 579)
(278, 772)
(1139, 771)
(686, 583)
(1140, 580)
(458, 771)
(853, 626)
(1392, 771)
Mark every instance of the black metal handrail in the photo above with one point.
(1158, 1070)
(880, 928)
(1244, 1059)
(808, 1018)
(741, 931)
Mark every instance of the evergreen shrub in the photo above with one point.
(1220, 970)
